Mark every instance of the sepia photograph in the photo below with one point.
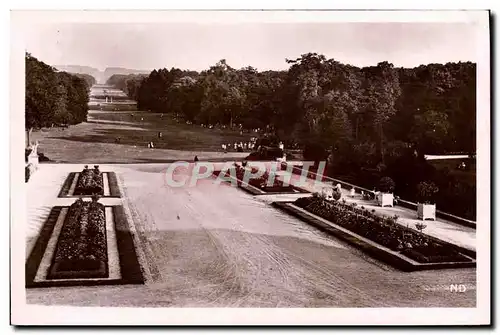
(266, 167)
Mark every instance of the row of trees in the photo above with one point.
(54, 98)
(430, 108)
(90, 80)
(369, 121)
(127, 83)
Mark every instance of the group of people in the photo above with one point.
(242, 146)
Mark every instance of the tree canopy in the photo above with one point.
(430, 108)
(54, 98)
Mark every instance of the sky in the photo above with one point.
(262, 45)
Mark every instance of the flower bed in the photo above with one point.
(384, 231)
(261, 182)
(90, 181)
(81, 250)
(130, 268)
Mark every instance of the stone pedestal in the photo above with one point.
(385, 199)
(33, 156)
(426, 211)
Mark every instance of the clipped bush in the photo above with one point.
(386, 185)
(426, 192)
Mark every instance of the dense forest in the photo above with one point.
(431, 107)
(368, 122)
(54, 98)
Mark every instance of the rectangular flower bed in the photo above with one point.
(260, 185)
(90, 182)
(402, 247)
(81, 248)
(61, 258)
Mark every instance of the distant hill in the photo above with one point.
(100, 76)
(119, 70)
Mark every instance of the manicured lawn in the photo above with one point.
(95, 141)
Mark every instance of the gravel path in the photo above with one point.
(215, 245)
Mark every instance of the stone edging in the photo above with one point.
(130, 269)
(256, 191)
(114, 188)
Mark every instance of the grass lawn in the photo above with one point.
(95, 140)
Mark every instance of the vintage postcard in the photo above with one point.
(250, 167)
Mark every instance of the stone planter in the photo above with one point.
(33, 159)
(385, 199)
(426, 211)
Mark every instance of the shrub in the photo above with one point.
(315, 152)
(386, 185)
(426, 192)
(27, 173)
(336, 194)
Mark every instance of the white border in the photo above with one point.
(29, 314)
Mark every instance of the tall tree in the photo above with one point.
(382, 92)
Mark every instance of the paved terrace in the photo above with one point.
(218, 246)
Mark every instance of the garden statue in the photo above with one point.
(33, 155)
